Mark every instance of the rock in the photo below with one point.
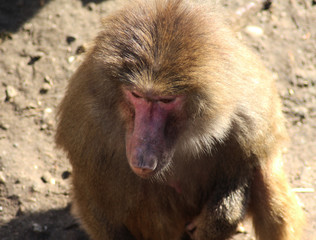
(10, 92)
(241, 229)
(47, 117)
(35, 188)
(254, 31)
(267, 4)
(34, 59)
(305, 77)
(2, 178)
(21, 211)
(291, 91)
(81, 49)
(4, 126)
(45, 88)
(44, 126)
(65, 175)
(71, 59)
(301, 112)
(47, 178)
(48, 80)
(36, 227)
(70, 39)
(91, 6)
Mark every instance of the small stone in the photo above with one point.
(47, 178)
(48, 111)
(91, 6)
(31, 106)
(52, 181)
(5, 36)
(32, 199)
(27, 27)
(10, 92)
(305, 77)
(47, 117)
(291, 91)
(254, 31)
(2, 178)
(81, 49)
(34, 188)
(34, 59)
(241, 229)
(48, 80)
(65, 175)
(44, 126)
(71, 59)
(45, 88)
(70, 39)
(4, 126)
(301, 112)
(267, 4)
(21, 211)
(37, 228)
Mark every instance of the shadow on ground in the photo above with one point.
(55, 224)
(85, 2)
(14, 13)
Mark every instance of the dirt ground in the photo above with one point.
(41, 44)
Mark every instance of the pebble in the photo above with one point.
(36, 227)
(47, 117)
(71, 59)
(254, 31)
(45, 88)
(48, 80)
(81, 49)
(21, 211)
(35, 188)
(2, 178)
(241, 229)
(44, 126)
(15, 145)
(301, 112)
(34, 59)
(291, 91)
(10, 92)
(4, 126)
(47, 178)
(305, 77)
(91, 6)
(65, 175)
(70, 39)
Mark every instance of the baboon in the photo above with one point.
(174, 131)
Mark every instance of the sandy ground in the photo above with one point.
(40, 47)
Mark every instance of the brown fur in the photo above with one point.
(228, 142)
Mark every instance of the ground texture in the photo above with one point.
(41, 42)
